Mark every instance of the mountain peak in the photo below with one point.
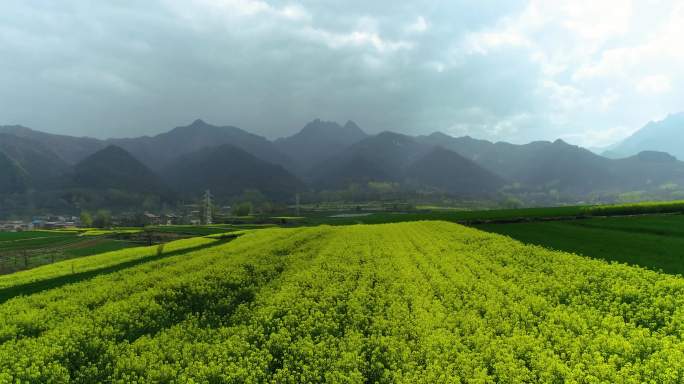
(198, 123)
(111, 148)
(662, 136)
(161, 150)
(228, 170)
(320, 125)
(331, 128)
(450, 171)
(439, 135)
(115, 168)
(111, 154)
(351, 125)
(318, 140)
(13, 128)
(198, 126)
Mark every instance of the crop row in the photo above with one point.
(636, 208)
(424, 302)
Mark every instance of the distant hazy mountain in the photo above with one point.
(156, 151)
(160, 150)
(538, 164)
(65, 171)
(466, 146)
(228, 171)
(318, 141)
(382, 157)
(70, 149)
(648, 169)
(38, 163)
(449, 171)
(567, 168)
(557, 165)
(115, 168)
(13, 179)
(665, 136)
(394, 157)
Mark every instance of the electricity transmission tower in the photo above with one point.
(207, 207)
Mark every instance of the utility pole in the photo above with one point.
(207, 207)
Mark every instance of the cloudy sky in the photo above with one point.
(590, 72)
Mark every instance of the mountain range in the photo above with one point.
(323, 156)
(666, 135)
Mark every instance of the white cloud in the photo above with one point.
(660, 46)
(236, 7)
(356, 38)
(84, 79)
(486, 41)
(599, 61)
(596, 21)
(562, 97)
(231, 11)
(561, 29)
(654, 84)
(295, 12)
(419, 26)
(607, 99)
(515, 71)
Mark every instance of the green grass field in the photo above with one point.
(349, 217)
(25, 250)
(655, 242)
(648, 207)
(379, 217)
(14, 236)
(46, 247)
(12, 241)
(69, 271)
(97, 247)
(423, 302)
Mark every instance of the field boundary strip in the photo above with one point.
(32, 287)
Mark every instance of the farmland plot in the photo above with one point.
(422, 302)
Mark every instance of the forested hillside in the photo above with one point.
(322, 161)
(228, 171)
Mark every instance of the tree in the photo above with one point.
(86, 219)
(511, 203)
(242, 209)
(103, 219)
